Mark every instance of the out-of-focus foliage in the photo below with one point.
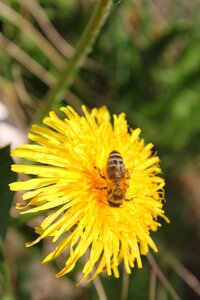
(156, 80)
(6, 195)
(149, 70)
(146, 62)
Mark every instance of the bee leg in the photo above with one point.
(102, 188)
(104, 203)
(129, 199)
(127, 174)
(96, 168)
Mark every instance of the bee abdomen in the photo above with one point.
(115, 165)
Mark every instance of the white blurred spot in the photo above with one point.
(11, 135)
(3, 112)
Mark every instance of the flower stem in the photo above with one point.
(83, 48)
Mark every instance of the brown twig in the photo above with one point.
(16, 112)
(125, 285)
(162, 277)
(27, 28)
(35, 68)
(184, 273)
(52, 34)
(20, 87)
(40, 16)
(99, 288)
(28, 62)
(152, 286)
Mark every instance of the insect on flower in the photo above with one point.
(116, 179)
(82, 161)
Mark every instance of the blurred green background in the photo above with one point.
(146, 63)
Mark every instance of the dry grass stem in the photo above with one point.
(20, 87)
(184, 273)
(27, 28)
(152, 286)
(125, 285)
(42, 19)
(23, 58)
(11, 101)
(52, 34)
(99, 288)
(162, 277)
(32, 65)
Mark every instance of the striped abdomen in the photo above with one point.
(115, 166)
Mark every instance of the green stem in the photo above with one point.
(83, 48)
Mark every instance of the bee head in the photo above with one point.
(118, 194)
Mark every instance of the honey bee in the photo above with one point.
(116, 179)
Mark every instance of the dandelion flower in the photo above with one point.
(71, 183)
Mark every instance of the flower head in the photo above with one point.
(73, 181)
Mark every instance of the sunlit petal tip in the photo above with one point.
(21, 206)
(32, 243)
(74, 190)
(166, 219)
(12, 186)
(13, 169)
